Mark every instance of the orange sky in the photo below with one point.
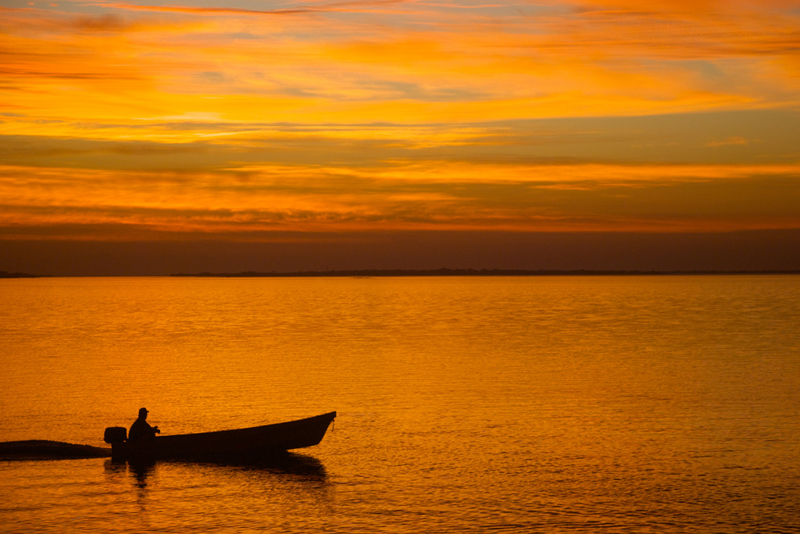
(251, 120)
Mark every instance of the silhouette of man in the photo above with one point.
(140, 429)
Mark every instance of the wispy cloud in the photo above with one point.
(403, 196)
(368, 6)
(736, 140)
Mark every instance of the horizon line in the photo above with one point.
(444, 271)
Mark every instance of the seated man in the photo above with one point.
(140, 429)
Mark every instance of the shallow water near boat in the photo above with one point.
(553, 404)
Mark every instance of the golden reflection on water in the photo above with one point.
(171, 496)
(621, 404)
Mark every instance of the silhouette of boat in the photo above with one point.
(254, 442)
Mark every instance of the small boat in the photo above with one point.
(254, 442)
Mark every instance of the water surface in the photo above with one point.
(552, 404)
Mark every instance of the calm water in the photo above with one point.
(596, 404)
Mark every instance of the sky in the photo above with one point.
(160, 136)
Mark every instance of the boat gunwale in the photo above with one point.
(332, 416)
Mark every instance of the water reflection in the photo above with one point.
(115, 471)
(120, 473)
(306, 467)
(288, 466)
(140, 471)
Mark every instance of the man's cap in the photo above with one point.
(142, 410)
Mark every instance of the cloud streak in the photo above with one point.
(405, 196)
(336, 7)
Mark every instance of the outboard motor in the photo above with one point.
(115, 434)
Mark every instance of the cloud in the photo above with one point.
(344, 7)
(403, 196)
(203, 145)
(697, 6)
(427, 64)
(736, 140)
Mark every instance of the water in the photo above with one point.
(553, 404)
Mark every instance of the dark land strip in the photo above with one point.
(5, 274)
(467, 272)
(40, 449)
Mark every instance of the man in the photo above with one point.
(140, 429)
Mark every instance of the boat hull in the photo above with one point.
(255, 442)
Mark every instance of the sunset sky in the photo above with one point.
(155, 136)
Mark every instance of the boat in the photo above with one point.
(258, 442)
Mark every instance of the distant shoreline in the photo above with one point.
(4, 274)
(388, 273)
(368, 273)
